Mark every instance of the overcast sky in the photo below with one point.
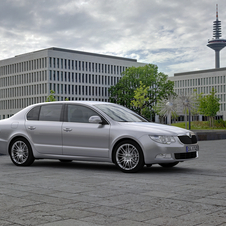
(172, 34)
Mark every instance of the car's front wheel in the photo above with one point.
(128, 156)
(20, 152)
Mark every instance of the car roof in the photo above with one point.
(26, 109)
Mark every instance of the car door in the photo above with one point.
(81, 138)
(44, 126)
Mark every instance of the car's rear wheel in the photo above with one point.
(128, 156)
(20, 152)
(168, 165)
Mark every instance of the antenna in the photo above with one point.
(216, 11)
(217, 44)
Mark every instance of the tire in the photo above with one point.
(65, 160)
(128, 156)
(20, 152)
(168, 165)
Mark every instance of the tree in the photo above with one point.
(140, 97)
(209, 106)
(51, 97)
(124, 91)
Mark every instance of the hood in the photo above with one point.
(155, 128)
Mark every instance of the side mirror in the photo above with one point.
(95, 119)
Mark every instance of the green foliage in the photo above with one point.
(147, 113)
(209, 106)
(140, 97)
(51, 97)
(203, 125)
(124, 91)
(220, 123)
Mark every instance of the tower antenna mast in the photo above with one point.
(217, 44)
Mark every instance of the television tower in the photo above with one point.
(217, 43)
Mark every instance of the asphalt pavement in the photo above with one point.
(51, 193)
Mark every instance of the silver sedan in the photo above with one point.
(93, 131)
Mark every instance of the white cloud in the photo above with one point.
(172, 34)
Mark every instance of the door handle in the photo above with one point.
(31, 127)
(67, 129)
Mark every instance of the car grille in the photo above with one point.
(188, 140)
(188, 155)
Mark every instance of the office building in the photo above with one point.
(74, 75)
(203, 81)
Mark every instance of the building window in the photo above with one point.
(62, 63)
(82, 65)
(50, 75)
(89, 66)
(54, 62)
(86, 66)
(50, 62)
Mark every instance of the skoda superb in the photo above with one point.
(93, 131)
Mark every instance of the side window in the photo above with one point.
(50, 112)
(78, 113)
(33, 114)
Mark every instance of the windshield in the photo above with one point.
(119, 113)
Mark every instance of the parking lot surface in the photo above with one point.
(51, 193)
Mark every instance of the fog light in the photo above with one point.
(164, 156)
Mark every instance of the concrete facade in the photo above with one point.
(28, 78)
(203, 81)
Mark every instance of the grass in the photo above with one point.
(204, 125)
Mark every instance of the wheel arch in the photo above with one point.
(121, 140)
(16, 137)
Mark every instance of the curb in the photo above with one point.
(210, 134)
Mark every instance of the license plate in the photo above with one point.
(192, 148)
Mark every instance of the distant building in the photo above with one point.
(203, 81)
(28, 78)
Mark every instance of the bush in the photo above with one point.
(220, 123)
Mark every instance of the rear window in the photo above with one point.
(46, 113)
(50, 112)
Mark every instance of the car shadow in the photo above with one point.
(75, 165)
(110, 167)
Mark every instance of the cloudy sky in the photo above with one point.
(172, 34)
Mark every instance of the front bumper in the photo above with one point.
(161, 158)
(155, 153)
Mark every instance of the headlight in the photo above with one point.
(163, 139)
